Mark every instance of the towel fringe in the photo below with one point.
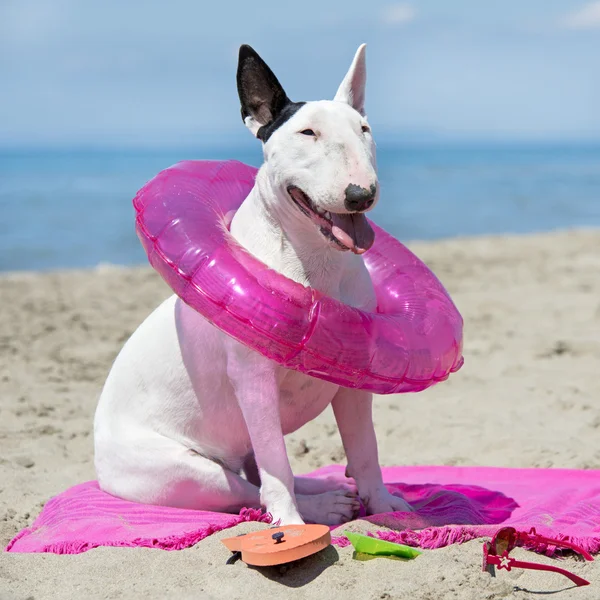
(439, 537)
(173, 542)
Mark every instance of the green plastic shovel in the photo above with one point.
(363, 544)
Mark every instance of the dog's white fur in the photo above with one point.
(189, 417)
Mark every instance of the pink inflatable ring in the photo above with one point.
(413, 340)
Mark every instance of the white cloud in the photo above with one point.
(396, 14)
(587, 17)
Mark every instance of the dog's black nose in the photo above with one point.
(359, 198)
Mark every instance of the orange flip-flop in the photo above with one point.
(280, 544)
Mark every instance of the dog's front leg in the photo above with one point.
(254, 379)
(353, 413)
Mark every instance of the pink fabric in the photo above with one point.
(452, 505)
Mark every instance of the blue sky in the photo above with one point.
(115, 72)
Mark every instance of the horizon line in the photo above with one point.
(386, 143)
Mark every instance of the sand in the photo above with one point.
(529, 396)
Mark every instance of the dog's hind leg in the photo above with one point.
(158, 470)
(164, 472)
(307, 486)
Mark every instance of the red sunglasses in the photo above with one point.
(496, 552)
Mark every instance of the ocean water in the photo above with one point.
(72, 208)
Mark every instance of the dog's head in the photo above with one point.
(319, 156)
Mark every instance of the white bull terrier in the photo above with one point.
(191, 418)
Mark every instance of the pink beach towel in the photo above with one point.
(452, 505)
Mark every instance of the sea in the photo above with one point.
(72, 208)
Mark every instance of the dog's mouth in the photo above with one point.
(346, 231)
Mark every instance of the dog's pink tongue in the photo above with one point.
(353, 231)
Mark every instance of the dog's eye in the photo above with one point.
(308, 132)
(366, 129)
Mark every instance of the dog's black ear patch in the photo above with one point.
(289, 110)
(261, 95)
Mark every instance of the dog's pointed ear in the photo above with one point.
(261, 95)
(352, 89)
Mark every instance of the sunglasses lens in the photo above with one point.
(504, 540)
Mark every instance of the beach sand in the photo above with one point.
(528, 396)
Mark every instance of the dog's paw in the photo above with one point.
(316, 485)
(282, 517)
(384, 502)
(329, 508)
